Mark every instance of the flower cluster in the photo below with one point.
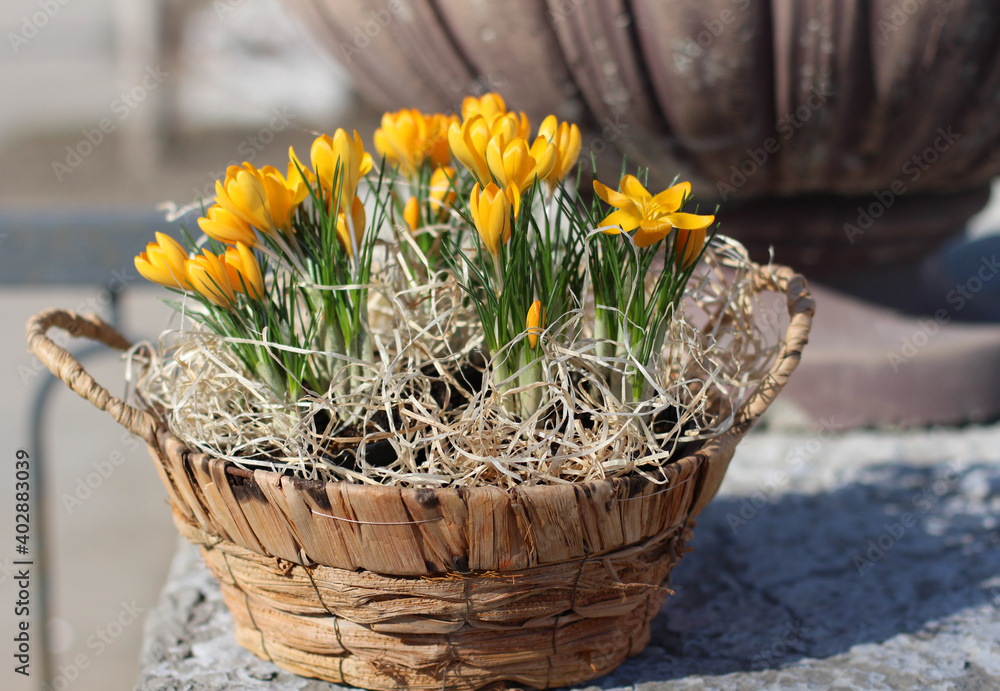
(281, 249)
(284, 268)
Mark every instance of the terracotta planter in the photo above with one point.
(757, 100)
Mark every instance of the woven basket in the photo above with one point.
(390, 588)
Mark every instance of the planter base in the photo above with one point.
(563, 623)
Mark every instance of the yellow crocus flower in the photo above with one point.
(358, 220)
(491, 210)
(441, 195)
(535, 323)
(224, 226)
(283, 195)
(512, 163)
(651, 217)
(688, 245)
(244, 271)
(566, 138)
(242, 194)
(337, 155)
(436, 145)
(209, 277)
(163, 262)
(469, 141)
(411, 213)
(409, 138)
(298, 173)
(491, 107)
(442, 191)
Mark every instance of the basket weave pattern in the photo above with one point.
(543, 627)
(543, 585)
(388, 587)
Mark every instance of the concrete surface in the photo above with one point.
(853, 560)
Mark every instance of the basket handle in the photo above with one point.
(801, 308)
(62, 364)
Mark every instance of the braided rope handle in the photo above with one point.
(801, 308)
(62, 364)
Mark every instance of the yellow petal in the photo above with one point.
(474, 206)
(175, 254)
(442, 189)
(468, 143)
(243, 195)
(499, 223)
(610, 196)
(623, 218)
(669, 200)
(244, 271)
(359, 218)
(543, 153)
(250, 270)
(158, 272)
(566, 139)
(298, 173)
(490, 106)
(631, 187)
(516, 166)
(411, 213)
(219, 224)
(651, 232)
(495, 160)
(548, 128)
(688, 245)
(209, 277)
(689, 221)
(534, 323)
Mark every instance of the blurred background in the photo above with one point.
(856, 141)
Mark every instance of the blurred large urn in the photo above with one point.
(836, 131)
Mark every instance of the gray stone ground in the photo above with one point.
(859, 560)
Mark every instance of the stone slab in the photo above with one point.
(906, 345)
(830, 560)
